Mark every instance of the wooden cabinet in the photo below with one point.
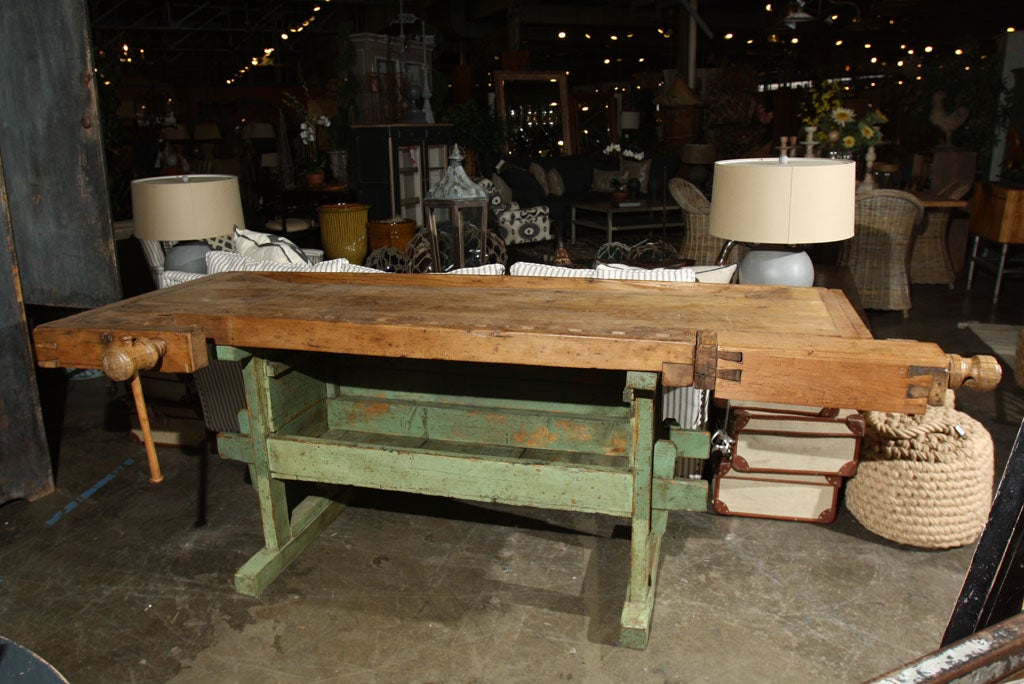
(997, 216)
(998, 213)
(396, 164)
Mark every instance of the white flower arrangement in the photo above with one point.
(307, 129)
(614, 148)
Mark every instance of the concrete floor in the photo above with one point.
(114, 584)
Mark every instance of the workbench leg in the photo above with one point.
(286, 533)
(648, 526)
(309, 519)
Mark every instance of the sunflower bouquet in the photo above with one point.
(839, 131)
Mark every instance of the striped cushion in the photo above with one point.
(526, 268)
(621, 272)
(225, 262)
(169, 278)
(487, 269)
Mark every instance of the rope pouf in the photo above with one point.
(920, 481)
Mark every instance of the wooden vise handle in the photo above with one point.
(122, 360)
(981, 373)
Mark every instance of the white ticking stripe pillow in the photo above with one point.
(526, 268)
(169, 278)
(620, 272)
(486, 269)
(224, 262)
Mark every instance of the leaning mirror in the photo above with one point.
(594, 121)
(534, 108)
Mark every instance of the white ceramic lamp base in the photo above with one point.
(770, 267)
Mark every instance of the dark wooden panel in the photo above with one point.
(24, 459)
(53, 155)
(994, 586)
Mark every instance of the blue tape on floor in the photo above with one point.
(103, 481)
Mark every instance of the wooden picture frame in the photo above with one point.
(503, 101)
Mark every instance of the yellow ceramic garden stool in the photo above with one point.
(343, 231)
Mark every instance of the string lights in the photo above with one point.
(266, 57)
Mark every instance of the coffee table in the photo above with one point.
(609, 216)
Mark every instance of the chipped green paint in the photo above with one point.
(319, 419)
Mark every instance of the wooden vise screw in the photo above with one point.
(122, 360)
(981, 373)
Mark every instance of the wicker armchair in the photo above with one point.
(879, 252)
(699, 244)
(929, 259)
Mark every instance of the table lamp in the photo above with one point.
(777, 204)
(187, 210)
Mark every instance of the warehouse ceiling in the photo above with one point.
(176, 41)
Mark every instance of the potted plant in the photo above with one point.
(619, 189)
(312, 166)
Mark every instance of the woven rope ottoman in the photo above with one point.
(924, 480)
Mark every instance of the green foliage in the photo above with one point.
(970, 80)
(476, 128)
(822, 99)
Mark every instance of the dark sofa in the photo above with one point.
(577, 173)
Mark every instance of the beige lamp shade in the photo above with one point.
(630, 121)
(783, 201)
(182, 208)
(206, 131)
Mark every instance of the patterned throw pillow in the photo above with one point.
(525, 225)
(603, 180)
(556, 185)
(266, 247)
(538, 172)
(504, 191)
(221, 243)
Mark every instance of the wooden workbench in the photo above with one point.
(529, 391)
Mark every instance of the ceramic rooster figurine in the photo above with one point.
(947, 122)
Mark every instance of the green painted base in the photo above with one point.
(309, 519)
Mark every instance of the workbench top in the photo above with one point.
(802, 345)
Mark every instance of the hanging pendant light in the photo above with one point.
(796, 14)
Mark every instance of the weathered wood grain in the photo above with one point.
(792, 345)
